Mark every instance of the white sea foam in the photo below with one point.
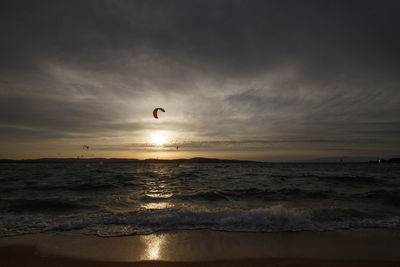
(271, 219)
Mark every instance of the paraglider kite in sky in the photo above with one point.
(155, 112)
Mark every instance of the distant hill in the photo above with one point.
(392, 160)
(354, 159)
(343, 159)
(122, 160)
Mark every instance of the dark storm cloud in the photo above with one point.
(237, 70)
(226, 36)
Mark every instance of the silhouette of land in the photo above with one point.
(392, 160)
(179, 161)
(124, 160)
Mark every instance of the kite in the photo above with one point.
(155, 112)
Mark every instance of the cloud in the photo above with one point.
(226, 72)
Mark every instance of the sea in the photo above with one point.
(121, 199)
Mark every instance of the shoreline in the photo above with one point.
(368, 247)
(18, 256)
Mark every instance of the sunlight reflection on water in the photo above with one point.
(160, 195)
(157, 205)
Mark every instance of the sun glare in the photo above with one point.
(159, 139)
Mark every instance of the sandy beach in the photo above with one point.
(205, 248)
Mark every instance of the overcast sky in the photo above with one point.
(264, 80)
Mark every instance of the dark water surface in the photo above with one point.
(138, 198)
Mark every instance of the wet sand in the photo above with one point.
(205, 248)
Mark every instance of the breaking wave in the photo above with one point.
(272, 219)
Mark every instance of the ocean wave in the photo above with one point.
(354, 180)
(154, 197)
(77, 187)
(270, 219)
(391, 197)
(259, 194)
(41, 205)
(273, 219)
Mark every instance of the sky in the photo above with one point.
(258, 80)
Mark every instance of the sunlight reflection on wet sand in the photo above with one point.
(154, 246)
(205, 245)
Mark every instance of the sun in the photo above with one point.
(159, 139)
